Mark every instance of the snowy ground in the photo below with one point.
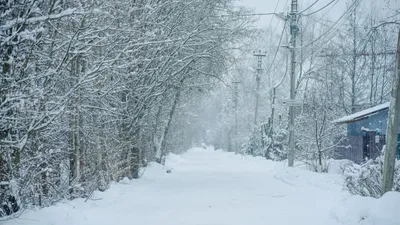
(209, 187)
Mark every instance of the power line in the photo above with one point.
(260, 14)
(309, 14)
(281, 61)
(390, 52)
(322, 17)
(344, 15)
(277, 49)
(286, 5)
(319, 21)
(248, 14)
(276, 7)
(309, 7)
(277, 24)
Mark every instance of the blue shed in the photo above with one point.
(368, 124)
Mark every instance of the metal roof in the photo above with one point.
(362, 114)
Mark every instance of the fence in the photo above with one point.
(351, 148)
(359, 148)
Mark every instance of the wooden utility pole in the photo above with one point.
(272, 111)
(293, 32)
(392, 127)
(259, 56)
(236, 93)
(270, 131)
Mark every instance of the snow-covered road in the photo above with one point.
(209, 187)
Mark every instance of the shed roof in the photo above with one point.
(362, 114)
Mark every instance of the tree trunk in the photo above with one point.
(354, 65)
(74, 130)
(167, 127)
(135, 162)
(156, 146)
(124, 137)
(392, 128)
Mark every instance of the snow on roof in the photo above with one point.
(362, 114)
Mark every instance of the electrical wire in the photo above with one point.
(309, 14)
(344, 15)
(277, 24)
(319, 21)
(248, 14)
(286, 6)
(277, 49)
(321, 18)
(309, 7)
(328, 34)
(286, 72)
(270, 21)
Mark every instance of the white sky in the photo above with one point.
(333, 11)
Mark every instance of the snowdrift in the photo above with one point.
(369, 211)
(208, 187)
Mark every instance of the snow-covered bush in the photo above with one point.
(252, 145)
(265, 146)
(275, 149)
(338, 166)
(366, 179)
(314, 165)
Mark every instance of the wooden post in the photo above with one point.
(293, 31)
(236, 83)
(259, 56)
(392, 128)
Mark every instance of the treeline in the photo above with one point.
(89, 89)
(348, 66)
(343, 65)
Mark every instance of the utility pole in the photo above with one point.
(236, 92)
(259, 56)
(293, 32)
(392, 128)
(271, 124)
(270, 131)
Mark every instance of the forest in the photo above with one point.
(92, 91)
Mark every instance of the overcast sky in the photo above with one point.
(333, 11)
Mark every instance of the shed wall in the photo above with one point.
(373, 122)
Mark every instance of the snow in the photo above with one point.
(370, 211)
(208, 187)
(125, 181)
(363, 113)
(9, 24)
(337, 166)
